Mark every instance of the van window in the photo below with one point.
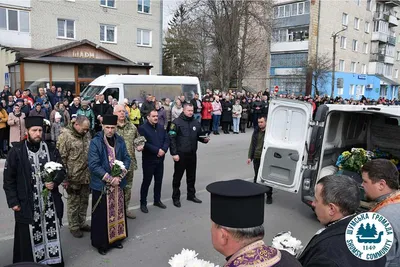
(114, 92)
(138, 92)
(189, 90)
(167, 91)
(91, 91)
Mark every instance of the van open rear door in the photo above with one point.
(284, 153)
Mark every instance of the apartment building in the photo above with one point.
(367, 47)
(69, 43)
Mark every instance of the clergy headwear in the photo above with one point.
(33, 121)
(110, 119)
(237, 203)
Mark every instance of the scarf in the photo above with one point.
(391, 199)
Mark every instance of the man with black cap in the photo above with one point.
(37, 221)
(237, 215)
(109, 226)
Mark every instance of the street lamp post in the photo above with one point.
(334, 35)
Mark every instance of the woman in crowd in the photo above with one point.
(236, 115)
(206, 113)
(217, 111)
(134, 114)
(177, 109)
(3, 125)
(226, 117)
(16, 120)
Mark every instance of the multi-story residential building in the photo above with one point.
(70, 42)
(367, 60)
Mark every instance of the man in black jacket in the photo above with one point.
(147, 106)
(157, 143)
(100, 109)
(184, 134)
(197, 106)
(37, 217)
(336, 201)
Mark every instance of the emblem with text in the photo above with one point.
(369, 236)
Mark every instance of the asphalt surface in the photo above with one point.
(158, 235)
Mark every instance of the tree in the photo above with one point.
(320, 68)
(180, 55)
(361, 230)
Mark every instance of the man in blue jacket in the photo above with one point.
(157, 143)
(107, 149)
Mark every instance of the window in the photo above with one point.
(367, 26)
(287, 10)
(343, 42)
(341, 65)
(355, 46)
(279, 12)
(66, 28)
(351, 91)
(353, 67)
(107, 3)
(301, 8)
(143, 37)
(389, 70)
(358, 2)
(396, 73)
(364, 69)
(365, 48)
(362, 89)
(345, 19)
(398, 55)
(356, 23)
(108, 33)
(369, 5)
(144, 6)
(340, 91)
(294, 9)
(307, 7)
(14, 20)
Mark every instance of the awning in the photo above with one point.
(387, 80)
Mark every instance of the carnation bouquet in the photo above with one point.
(285, 241)
(117, 169)
(50, 171)
(188, 258)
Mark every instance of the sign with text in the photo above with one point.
(83, 54)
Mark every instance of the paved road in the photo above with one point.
(156, 236)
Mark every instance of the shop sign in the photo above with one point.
(362, 77)
(83, 54)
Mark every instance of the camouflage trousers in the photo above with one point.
(128, 188)
(78, 200)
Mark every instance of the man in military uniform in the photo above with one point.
(129, 132)
(184, 134)
(73, 144)
(237, 232)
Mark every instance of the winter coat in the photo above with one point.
(162, 117)
(134, 116)
(206, 111)
(156, 139)
(237, 111)
(196, 106)
(184, 134)
(168, 112)
(65, 119)
(3, 118)
(41, 113)
(74, 109)
(17, 127)
(99, 164)
(88, 113)
(18, 182)
(329, 249)
(146, 108)
(176, 112)
(226, 111)
(257, 107)
(245, 111)
(217, 108)
(55, 131)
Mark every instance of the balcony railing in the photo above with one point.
(377, 58)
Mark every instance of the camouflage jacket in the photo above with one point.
(129, 132)
(74, 150)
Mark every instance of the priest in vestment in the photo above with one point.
(237, 215)
(109, 225)
(37, 221)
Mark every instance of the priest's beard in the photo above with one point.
(34, 141)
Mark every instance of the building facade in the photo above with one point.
(131, 30)
(367, 60)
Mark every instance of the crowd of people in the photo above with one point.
(95, 143)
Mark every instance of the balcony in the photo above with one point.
(379, 36)
(289, 46)
(377, 58)
(392, 3)
(393, 21)
(388, 60)
(381, 16)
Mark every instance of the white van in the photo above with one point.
(136, 87)
(299, 150)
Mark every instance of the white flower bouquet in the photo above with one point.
(50, 169)
(117, 168)
(285, 241)
(188, 258)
